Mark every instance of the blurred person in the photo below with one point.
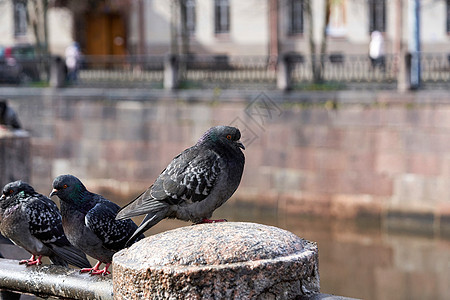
(8, 116)
(376, 50)
(73, 57)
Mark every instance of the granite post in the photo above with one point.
(15, 155)
(218, 261)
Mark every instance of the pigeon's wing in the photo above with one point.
(113, 233)
(188, 178)
(140, 206)
(44, 220)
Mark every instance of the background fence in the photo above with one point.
(339, 71)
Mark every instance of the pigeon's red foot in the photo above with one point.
(90, 270)
(96, 271)
(103, 272)
(32, 261)
(204, 220)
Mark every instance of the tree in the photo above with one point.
(317, 59)
(37, 15)
(179, 42)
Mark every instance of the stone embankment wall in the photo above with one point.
(341, 154)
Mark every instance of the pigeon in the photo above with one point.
(89, 222)
(8, 116)
(195, 183)
(33, 222)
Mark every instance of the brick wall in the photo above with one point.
(356, 154)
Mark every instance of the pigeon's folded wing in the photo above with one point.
(140, 205)
(44, 220)
(113, 233)
(188, 178)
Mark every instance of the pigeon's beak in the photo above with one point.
(53, 193)
(240, 145)
(3, 197)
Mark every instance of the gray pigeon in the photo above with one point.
(8, 116)
(33, 222)
(89, 222)
(195, 183)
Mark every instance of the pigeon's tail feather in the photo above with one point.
(149, 221)
(72, 255)
(58, 260)
(143, 204)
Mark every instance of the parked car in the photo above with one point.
(21, 64)
(10, 70)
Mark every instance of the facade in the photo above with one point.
(16, 28)
(227, 27)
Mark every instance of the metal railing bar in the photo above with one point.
(51, 280)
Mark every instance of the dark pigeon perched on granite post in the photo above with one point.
(33, 222)
(89, 222)
(195, 183)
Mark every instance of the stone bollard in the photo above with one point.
(57, 72)
(218, 261)
(15, 155)
(284, 70)
(171, 62)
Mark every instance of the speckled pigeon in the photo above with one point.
(89, 222)
(33, 221)
(195, 183)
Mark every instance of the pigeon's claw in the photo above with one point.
(32, 261)
(86, 270)
(96, 271)
(25, 261)
(90, 270)
(103, 272)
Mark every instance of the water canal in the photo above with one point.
(357, 258)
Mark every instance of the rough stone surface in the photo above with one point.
(216, 261)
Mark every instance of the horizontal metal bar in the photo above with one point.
(51, 280)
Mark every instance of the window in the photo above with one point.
(377, 15)
(448, 16)
(337, 18)
(188, 7)
(20, 18)
(295, 12)
(222, 16)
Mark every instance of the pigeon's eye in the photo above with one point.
(229, 136)
(11, 191)
(65, 186)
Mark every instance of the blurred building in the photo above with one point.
(229, 27)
